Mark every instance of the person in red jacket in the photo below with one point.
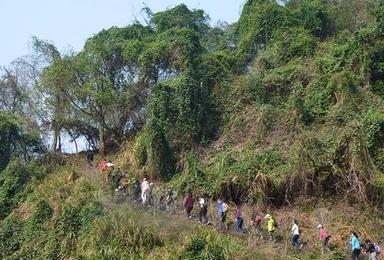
(188, 204)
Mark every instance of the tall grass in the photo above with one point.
(119, 235)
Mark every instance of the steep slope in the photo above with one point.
(68, 215)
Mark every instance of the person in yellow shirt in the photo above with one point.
(271, 226)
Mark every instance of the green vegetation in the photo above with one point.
(283, 107)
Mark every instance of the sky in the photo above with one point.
(68, 23)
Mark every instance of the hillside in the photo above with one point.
(69, 215)
(282, 111)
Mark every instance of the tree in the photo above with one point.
(180, 17)
(16, 139)
(109, 81)
(314, 15)
(258, 20)
(13, 94)
(52, 101)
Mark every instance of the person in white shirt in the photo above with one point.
(295, 233)
(144, 191)
(203, 202)
(110, 164)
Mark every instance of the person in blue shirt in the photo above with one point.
(356, 247)
(222, 209)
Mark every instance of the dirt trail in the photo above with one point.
(182, 226)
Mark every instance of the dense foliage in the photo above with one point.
(290, 96)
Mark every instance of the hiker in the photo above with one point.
(144, 191)
(110, 164)
(158, 197)
(239, 219)
(372, 249)
(169, 200)
(324, 237)
(188, 204)
(90, 157)
(295, 233)
(203, 202)
(160, 194)
(271, 226)
(136, 191)
(256, 221)
(106, 169)
(125, 183)
(222, 209)
(355, 245)
(102, 164)
(114, 179)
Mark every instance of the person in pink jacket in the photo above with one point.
(324, 237)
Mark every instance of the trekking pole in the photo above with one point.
(154, 211)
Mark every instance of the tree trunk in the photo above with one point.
(59, 138)
(74, 140)
(77, 149)
(101, 140)
(54, 143)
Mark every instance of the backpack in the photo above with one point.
(275, 223)
(377, 249)
(169, 197)
(225, 207)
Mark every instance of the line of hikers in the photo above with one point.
(164, 199)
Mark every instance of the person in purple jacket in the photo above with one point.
(188, 204)
(239, 219)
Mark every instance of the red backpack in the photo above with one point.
(258, 218)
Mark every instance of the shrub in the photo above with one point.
(41, 215)
(293, 43)
(255, 90)
(12, 183)
(10, 236)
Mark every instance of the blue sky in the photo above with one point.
(68, 23)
